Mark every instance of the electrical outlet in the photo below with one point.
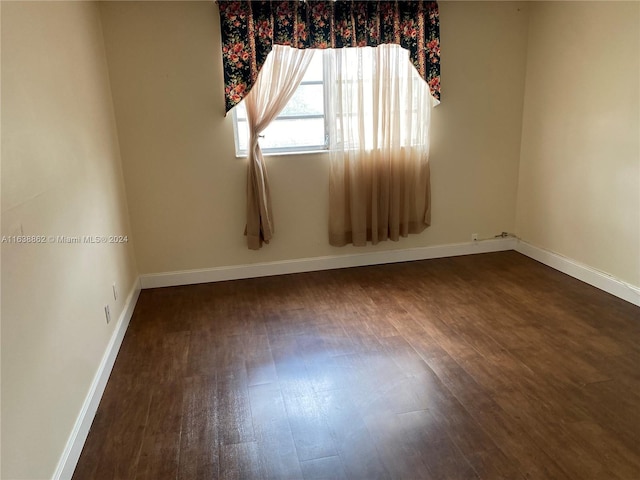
(107, 313)
(115, 291)
(474, 237)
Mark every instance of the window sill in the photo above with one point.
(287, 154)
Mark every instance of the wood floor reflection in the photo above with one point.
(480, 367)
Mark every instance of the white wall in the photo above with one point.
(61, 175)
(579, 183)
(186, 189)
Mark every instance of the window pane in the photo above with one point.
(294, 133)
(308, 100)
(283, 134)
(243, 136)
(241, 111)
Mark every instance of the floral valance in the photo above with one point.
(250, 28)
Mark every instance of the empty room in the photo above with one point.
(320, 240)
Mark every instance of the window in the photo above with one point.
(301, 126)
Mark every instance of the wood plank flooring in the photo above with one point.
(480, 367)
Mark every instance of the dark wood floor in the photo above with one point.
(488, 366)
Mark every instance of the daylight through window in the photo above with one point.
(301, 126)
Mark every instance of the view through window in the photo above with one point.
(301, 126)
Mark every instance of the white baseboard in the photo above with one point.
(566, 265)
(73, 448)
(218, 274)
(582, 272)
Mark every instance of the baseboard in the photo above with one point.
(73, 449)
(582, 272)
(218, 274)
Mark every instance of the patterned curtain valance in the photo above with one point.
(251, 28)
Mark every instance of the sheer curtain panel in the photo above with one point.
(380, 112)
(277, 82)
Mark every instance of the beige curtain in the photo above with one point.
(280, 76)
(379, 111)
